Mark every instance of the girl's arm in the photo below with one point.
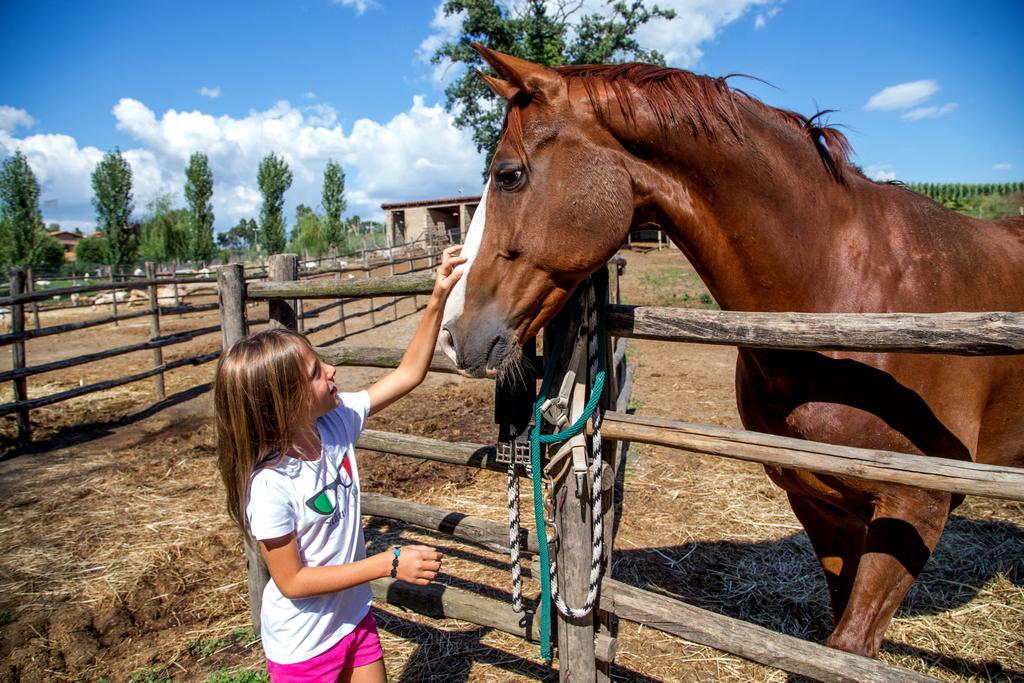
(416, 564)
(416, 361)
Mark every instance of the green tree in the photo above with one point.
(47, 253)
(198, 190)
(21, 222)
(112, 188)
(310, 235)
(274, 179)
(92, 251)
(165, 231)
(242, 236)
(333, 201)
(532, 31)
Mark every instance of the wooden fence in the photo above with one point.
(587, 648)
(20, 300)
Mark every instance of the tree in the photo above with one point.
(48, 253)
(242, 236)
(310, 235)
(274, 179)
(21, 222)
(534, 33)
(333, 201)
(198, 190)
(112, 187)
(92, 251)
(165, 231)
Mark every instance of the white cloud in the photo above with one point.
(762, 17)
(902, 96)
(11, 118)
(360, 6)
(929, 112)
(1002, 166)
(416, 154)
(446, 28)
(760, 22)
(212, 93)
(882, 171)
(309, 95)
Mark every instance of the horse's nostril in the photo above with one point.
(447, 342)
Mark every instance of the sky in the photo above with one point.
(926, 91)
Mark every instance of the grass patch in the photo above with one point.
(244, 676)
(674, 286)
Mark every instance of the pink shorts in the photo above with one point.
(359, 648)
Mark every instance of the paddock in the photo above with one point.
(674, 538)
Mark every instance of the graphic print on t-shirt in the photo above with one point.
(325, 501)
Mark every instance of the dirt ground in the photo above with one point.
(118, 561)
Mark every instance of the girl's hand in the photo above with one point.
(417, 564)
(447, 273)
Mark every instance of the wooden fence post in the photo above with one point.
(154, 329)
(113, 296)
(572, 517)
(231, 288)
(283, 268)
(18, 355)
(366, 271)
(31, 287)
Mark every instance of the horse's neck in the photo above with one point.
(755, 221)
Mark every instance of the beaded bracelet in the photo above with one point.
(394, 563)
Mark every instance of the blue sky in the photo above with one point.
(350, 80)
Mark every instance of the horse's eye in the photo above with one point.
(510, 179)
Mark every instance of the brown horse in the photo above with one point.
(773, 216)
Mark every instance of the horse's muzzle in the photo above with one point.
(476, 355)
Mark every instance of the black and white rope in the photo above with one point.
(513, 534)
(597, 533)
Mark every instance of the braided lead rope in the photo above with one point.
(513, 534)
(597, 533)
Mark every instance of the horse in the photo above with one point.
(768, 208)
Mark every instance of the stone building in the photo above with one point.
(435, 221)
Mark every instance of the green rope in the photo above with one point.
(536, 439)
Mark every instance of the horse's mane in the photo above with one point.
(707, 105)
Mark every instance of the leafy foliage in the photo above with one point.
(112, 188)
(333, 201)
(92, 251)
(21, 222)
(310, 234)
(198, 190)
(979, 200)
(241, 237)
(165, 231)
(274, 179)
(535, 32)
(48, 254)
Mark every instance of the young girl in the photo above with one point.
(285, 441)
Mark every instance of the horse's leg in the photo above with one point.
(901, 535)
(838, 541)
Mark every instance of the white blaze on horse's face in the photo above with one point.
(457, 299)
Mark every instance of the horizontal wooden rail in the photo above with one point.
(969, 334)
(409, 283)
(751, 642)
(12, 337)
(450, 452)
(43, 295)
(375, 357)
(476, 530)
(940, 474)
(8, 408)
(159, 342)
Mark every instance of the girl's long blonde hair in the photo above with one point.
(262, 385)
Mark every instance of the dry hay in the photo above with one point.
(120, 559)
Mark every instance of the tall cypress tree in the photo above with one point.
(112, 188)
(274, 179)
(20, 219)
(333, 201)
(198, 190)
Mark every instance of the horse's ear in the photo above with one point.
(499, 87)
(518, 74)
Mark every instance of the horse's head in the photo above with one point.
(558, 203)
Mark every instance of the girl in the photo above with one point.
(285, 442)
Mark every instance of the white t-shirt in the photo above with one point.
(319, 501)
